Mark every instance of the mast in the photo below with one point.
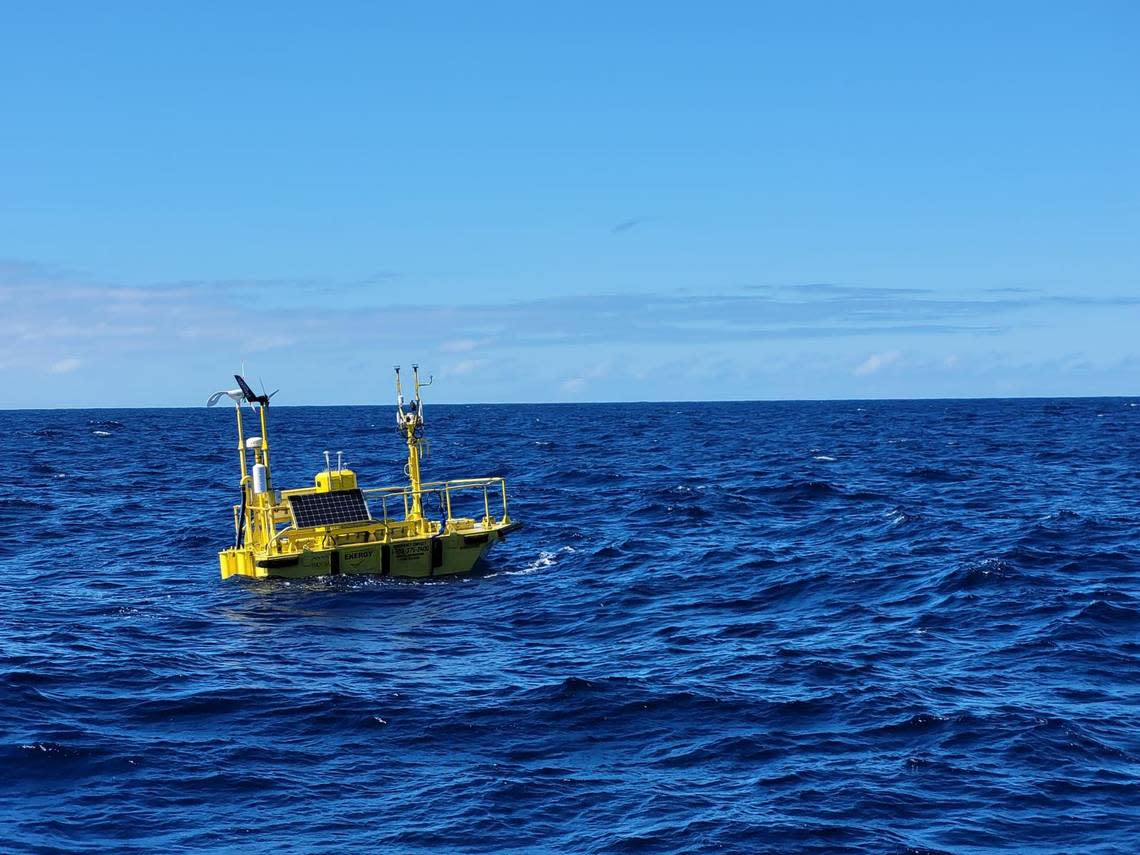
(257, 494)
(241, 517)
(410, 423)
(241, 443)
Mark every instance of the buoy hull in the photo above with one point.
(449, 554)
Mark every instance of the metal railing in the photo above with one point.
(442, 489)
(406, 495)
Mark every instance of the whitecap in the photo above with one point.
(823, 457)
(545, 559)
(896, 516)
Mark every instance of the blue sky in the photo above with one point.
(603, 202)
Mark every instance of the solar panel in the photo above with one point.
(339, 506)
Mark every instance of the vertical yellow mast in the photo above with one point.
(411, 424)
(257, 486)
(264, 408)
(241, 444)
(242, 514)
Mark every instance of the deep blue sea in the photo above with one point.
(876, 627)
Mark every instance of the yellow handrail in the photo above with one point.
(442, 488)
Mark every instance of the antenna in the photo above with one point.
(339, 461)
(328, 465)
(416, 371)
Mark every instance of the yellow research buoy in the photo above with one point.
(335, 527)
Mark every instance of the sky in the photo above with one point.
(568, 202)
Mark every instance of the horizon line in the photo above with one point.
(609, 403)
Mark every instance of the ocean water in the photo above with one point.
(741, 627)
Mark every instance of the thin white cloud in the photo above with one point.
(603, 345)
(463, 367)
(876, 362)
(459, 345)
(64, 366)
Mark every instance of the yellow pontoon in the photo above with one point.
(334, 527)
